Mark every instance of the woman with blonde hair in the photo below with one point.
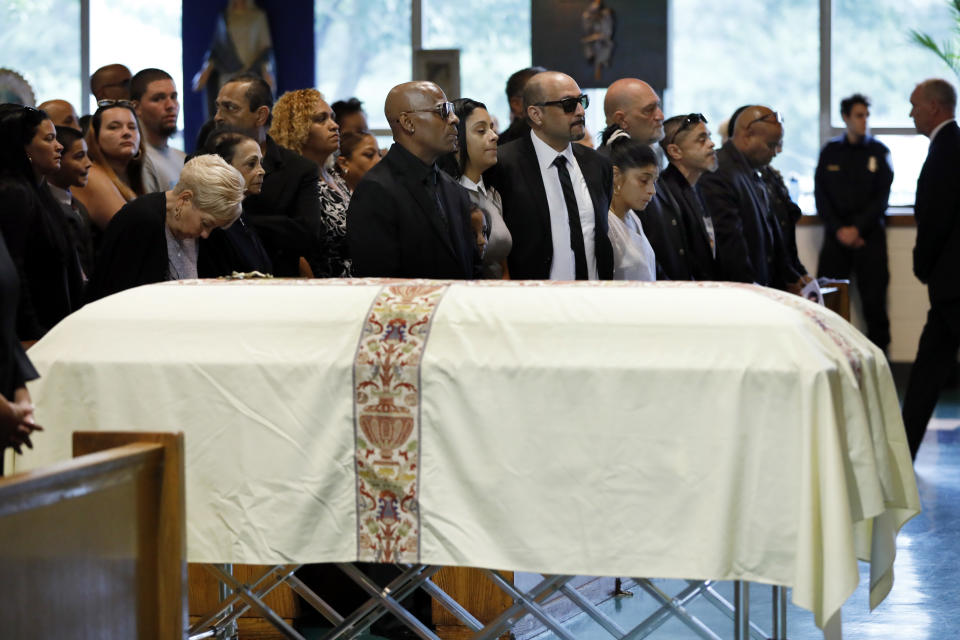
(115, 146)
(154, 238)
(304, 122)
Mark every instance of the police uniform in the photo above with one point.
(852, 186)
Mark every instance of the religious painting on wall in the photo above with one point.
(599, 41)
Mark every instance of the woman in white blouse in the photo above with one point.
(635, 172)
(477, 152)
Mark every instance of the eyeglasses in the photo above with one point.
(106, 104)
(569, 105)
(689, 121)
(444, 109)
(772, 117)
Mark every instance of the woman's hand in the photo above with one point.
(16, 421)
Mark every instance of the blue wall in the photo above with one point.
(291, 27)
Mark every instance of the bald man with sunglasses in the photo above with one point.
(408, 219)
(749, 243)
(555, 194)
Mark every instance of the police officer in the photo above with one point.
(851, 186)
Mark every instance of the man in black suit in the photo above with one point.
(286, 212)
(408, 219)
(749, 243)
(936, 256)
(555, 195)
(679, 229)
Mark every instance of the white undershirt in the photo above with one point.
(563, 266)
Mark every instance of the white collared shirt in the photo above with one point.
(937, 128)
(563, 266)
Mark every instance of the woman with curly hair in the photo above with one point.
(116, 148)
(304, 122)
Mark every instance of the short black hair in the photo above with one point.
(346, 107)
(517, 81)
(631, 154)
(223, 142)
(142, 79)
(258, 92)
(67, 136)
(846, 105)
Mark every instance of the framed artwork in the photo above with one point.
(440, 66)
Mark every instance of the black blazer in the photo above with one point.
(286, 212)
(394, 230)
(516, 176)
(936, 256)
(134, 248)
(749, 243)
(673, 222)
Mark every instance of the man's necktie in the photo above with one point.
(573, 217)
(434, 186)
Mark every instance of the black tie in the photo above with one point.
(573, 217)
(432, 181)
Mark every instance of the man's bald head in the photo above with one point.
(111, 82)
(758, 134)
(414, 111)
(547, 118)
(634, 106)
(61, 113)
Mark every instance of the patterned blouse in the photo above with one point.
(333, 215)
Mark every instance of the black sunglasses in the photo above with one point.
(773, 116)
(569, 105)
(444, 109)
(106, 104)
(689, 121)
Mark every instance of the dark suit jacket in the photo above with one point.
(936, 256)
(286, 212)
(395, 231)
(749, 243)
(516, 176)
(134, 248)
(673, 222)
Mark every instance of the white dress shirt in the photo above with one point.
(563, 266)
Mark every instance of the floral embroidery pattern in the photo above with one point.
(386, 375)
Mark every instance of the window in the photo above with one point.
(714, 71)
(40, 40)
(363, 49)
(494, 41)
(118, 31)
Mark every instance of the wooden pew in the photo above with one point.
(90, 547)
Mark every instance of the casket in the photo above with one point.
(676, 430)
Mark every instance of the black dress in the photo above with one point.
(51, 284)
(15, 367)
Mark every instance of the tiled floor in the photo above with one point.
(924, 603)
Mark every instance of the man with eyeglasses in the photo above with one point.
(750, 247)
(408, 219)
(286, 212)
(679, 228)
(851, 186)
(633, 107)
(555, 194)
